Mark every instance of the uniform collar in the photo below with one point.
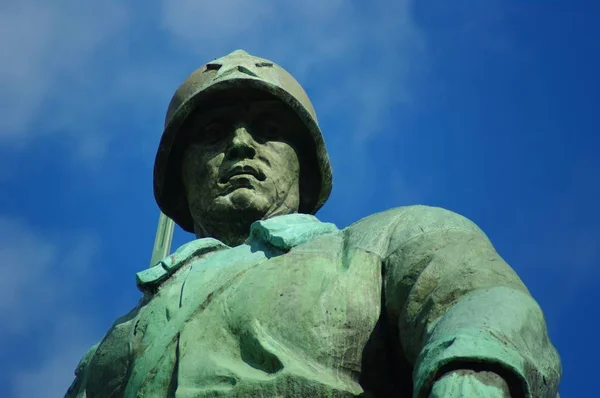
(281, 232)
(288, 231)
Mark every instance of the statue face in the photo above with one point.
(241, 163)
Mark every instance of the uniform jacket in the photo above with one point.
(381, 308)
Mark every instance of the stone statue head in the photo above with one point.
(241, 143)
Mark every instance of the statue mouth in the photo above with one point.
(243, 171)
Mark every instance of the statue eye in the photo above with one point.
(212, 133)
(268, 128)
(271, 129)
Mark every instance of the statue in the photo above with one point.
(269, 301)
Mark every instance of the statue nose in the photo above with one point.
(242, 144)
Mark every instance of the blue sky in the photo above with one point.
(485, 108)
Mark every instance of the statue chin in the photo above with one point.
(244, 198)
(242, 203)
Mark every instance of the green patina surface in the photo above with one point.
(271, 302)
(298, 311)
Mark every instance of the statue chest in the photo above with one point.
(242, 319)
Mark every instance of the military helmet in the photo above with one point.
(238, 70)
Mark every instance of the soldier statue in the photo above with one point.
(269, 301)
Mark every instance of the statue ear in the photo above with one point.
(310, 176)
(307, 194)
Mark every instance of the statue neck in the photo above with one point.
(230, 233)
(233, 229)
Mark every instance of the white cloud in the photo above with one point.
(40, 290)
(28, 258)
(364, 58)
(52, 376)
(41, 276)
(49, 53)
(67, 66)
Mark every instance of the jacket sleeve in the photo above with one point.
(103, 369)
(77, 390)
(458, 305)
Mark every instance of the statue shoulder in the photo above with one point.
(149, 279)
(383, 232)
(109, 356)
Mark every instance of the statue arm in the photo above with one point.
(77, 388)
(462, 312)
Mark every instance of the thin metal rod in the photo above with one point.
(164, 237)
